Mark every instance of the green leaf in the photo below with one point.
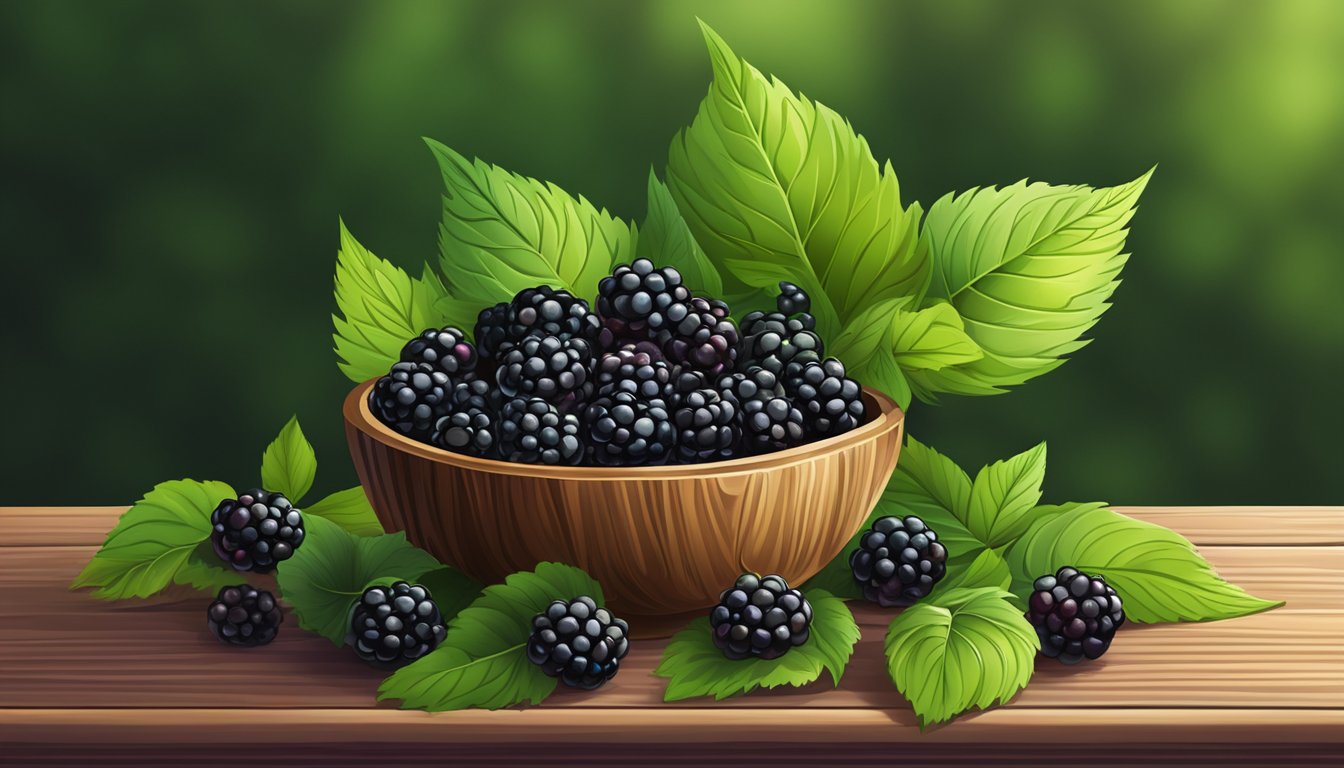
(483, 662)
(380, 308)
(325, 575)
(866, 346)
(667, 242)
(777, 187)
(931, 338)
(933, 488)
(1030, 269)
(1004, 495)
(502, 232)
(1157, 572)
(349, 509)
(695, 667)
(204, 570)
(288, 465)
(451, 589)
(973, 649)
(986, 569)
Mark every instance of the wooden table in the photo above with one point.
(85, 682)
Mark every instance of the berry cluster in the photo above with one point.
(654, 375)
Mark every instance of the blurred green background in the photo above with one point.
(172, 175)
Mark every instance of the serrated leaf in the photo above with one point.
(349, 509)
(696, 667)
(1004, 495)
(931, 338)
(777, 187)
(204, 570)
(483, 662)
(289, 464)
(985, 569)
(381, 307)
(974, 650)
(502, 232)
(153, 539)
(1158, 573)
(332, 567)
(667, 242)
(866, 345)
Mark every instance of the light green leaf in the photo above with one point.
(777, 187)
(483, 662)
(986, 569)
(866, 346)
(1004, 495)
(349, 509)
(1158, 573)
(696, 667)
(153, 540)
(288, 465)
(973, 650)
(667, 242)
(330, 571)
(1030, 269)
(931, 338)
(381, 307)
(502, 232)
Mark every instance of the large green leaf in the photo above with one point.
(667, 242)
(289, 464)
(986, 569)
(972, 649)
(777, 187)
(350, 509)
(1030, 269)
(1157, 572)
(1004, 497)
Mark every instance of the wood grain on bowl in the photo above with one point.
(662, 541)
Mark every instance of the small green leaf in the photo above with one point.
(332, 567)
(288, 465)
(986, 569)
(204, 570)
(483, 662)
(1004, 495)
(451, 589)
(696, 667)
(349, 509)
(667, 242)
(1157, 572)
(973, 649)
(931, 338)
(153, 540)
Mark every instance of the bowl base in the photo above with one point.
(655, 627)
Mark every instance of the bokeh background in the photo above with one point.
(172, 175)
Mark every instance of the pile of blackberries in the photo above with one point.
(655, 375)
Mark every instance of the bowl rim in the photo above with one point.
(359, 417)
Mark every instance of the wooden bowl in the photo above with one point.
(662, 541)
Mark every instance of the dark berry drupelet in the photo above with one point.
(492, 332)
(545, 311)
(708, 426)
(411, 398)
(256, 530)
(760, 617)
(705, 339)
(624, 430)
(548, 367)
(446, 350)
(831, 402)
(792, 299)
(1075, 615)
(771, 424)
(245, 616)
(637, 301)
(898, 561)
(396, 624)
(578, 642)
(470, 425)
(636, 372)
(533, 431)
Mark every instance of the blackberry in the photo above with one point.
(244, 616)
(545, 311)
(771, 424)
(395, 624)
(256, 530)
(578, 642)
(445, 350)
(755, 384)
(778, 348)
(707, 426)
(830, 401)
(792, 300)
(898, 561)
(548, 367)
(533, 431)
(470, 423)
(1075, 615)
(637, 301)
(492, 332)
(705, 339)
(629, 370)
(411, 398)
(760, 617)
(624, 430)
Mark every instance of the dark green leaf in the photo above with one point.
(451, 589)
(349, 509)
(289, 465)
(667, 242)
(204, 570)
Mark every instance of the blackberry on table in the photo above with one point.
(1075, 615)
(708, 426)
(492, 332)
(256, 530)
(792, 299)
(545, 311)
(898, 561)
(831, 402)
(469, 425)
(534, 431)
(639, 300)
(636, 372)
(760, 617)
(245, 616)
(395, 624)
(446, 349)
(411, 398)
(548, 367)
(624, 430)
(705, 339)
(578, 642)
(771, 424)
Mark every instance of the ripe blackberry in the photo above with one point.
(708, 426)
(830, 401)
(629, 370)
(624, 430)
(548, 367)
(469, 425)
(754, 384)
(1075, 615)
(395, 624)
(445, 350)
(792, 299)
(410, 398)
(492, 332)
(533, 431)
(545, 311)
(771, 424)
(637, 301)
(578, 642)
(898, 561)
(244, 616)
(760, 617)
(256, 530)
(705, 339)
(779, 349)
